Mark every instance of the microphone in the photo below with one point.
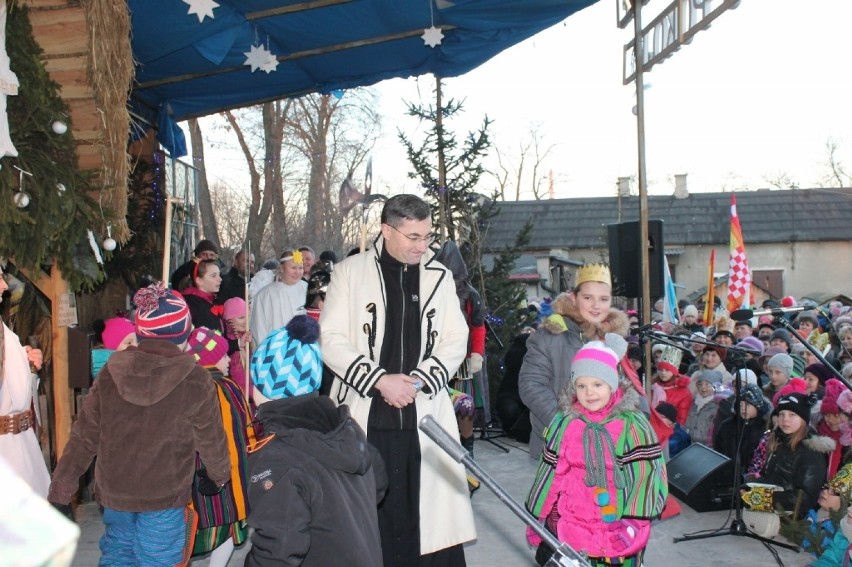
(746, 314)
(643, 329)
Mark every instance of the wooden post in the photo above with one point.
(62, 394)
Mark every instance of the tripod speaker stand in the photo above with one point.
(738, 526)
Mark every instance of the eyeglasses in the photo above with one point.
(428, 239)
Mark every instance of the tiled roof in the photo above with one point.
(701, 218)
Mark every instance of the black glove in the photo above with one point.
(206, 486)
(64, 509)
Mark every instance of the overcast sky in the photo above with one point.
(754, 97)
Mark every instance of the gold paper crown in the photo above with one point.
(819, 341)
(672, 355)
(593, 273)
(723, 323)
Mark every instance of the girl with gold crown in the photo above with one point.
(581, 315)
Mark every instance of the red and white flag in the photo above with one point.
(739, 276)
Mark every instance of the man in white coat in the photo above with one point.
(393, 334)
(18, 443)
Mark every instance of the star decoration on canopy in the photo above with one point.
(432, 36)
(271, 63)
(201, 8)
(258, 57)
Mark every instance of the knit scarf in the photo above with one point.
(701, 401)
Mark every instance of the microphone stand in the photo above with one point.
(813, 350)
(738, 527)
(564, 555)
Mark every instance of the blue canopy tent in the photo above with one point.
(191, 56)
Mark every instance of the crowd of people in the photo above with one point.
(214, 416)
(767, 393)
(282, 405)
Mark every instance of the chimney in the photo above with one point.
(680, 192)
(623, 186)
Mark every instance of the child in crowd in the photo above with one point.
(833, 420)
(806, 323)
(754, 411)
(690, 319)
(779, 368)
(712, 359)
(671, 386)
(816, 375)
(239, 342)
(781, 338)
(795, 461)
(145, 417)
(116, 333)
(315, 296)
(601, 478)
(839, 553)
(699, 422)
(222, 513)
(679, 439)
(815, 532)
(315, 480)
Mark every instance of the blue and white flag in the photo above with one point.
(670, 311)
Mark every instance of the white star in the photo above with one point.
(271, 63)
(257, 57)
(201, 8)
(432, 36)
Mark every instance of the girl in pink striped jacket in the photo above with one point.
(601, 477)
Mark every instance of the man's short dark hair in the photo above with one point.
(405, 207)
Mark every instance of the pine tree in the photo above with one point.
(52, 227)
(448, 171)
(503, 299)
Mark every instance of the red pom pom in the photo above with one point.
(148, 298)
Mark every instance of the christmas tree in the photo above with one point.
(45, 208)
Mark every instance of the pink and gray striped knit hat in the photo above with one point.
(161, 314)
(599, 359)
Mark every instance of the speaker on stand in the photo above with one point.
(625, 263)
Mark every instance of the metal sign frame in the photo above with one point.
(673, 27)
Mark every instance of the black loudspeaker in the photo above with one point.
(701, 478)
(625, 262)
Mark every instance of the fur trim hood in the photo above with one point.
(630, 399)
(565, 314)
(820, 443)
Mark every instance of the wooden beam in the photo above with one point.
(293, 56)
(293, 8)
(62, 394)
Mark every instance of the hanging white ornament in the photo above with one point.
(271, 63)
(21, 200)
(257, 57)
(109, 243)
(201, 8)
(59, 127)
(432, 36)
(60, 189)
